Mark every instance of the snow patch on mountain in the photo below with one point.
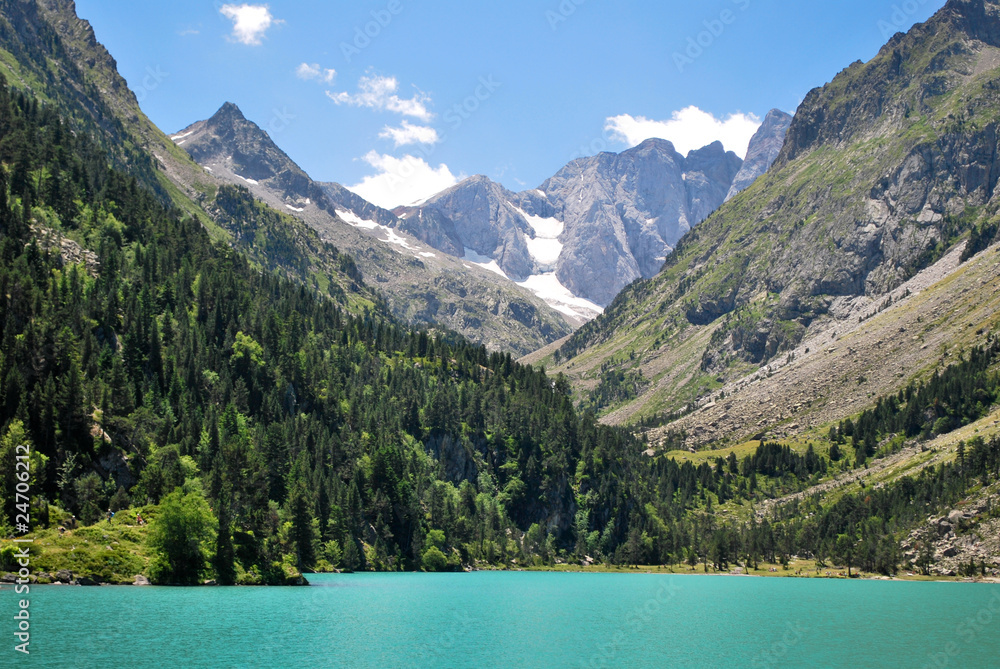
(549, 288)
(545, 248)
(485, 262)
(391, 236)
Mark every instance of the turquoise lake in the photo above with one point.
(517, 620)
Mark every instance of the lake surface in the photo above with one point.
(516, 620)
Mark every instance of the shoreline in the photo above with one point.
(563, 569)
(835, 575)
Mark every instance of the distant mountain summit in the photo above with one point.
(594, 227)
(229, 138)
(764, 148)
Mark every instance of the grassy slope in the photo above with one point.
(107, 553)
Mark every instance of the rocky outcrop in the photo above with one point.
(480, 215)
(457, 458)
(246, 148)
(344, 200)
(869, 99)
(950, 544)
(764, 148)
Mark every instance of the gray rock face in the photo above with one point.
(480, 215)
(763, 151)
(620, 215)
(229, 136)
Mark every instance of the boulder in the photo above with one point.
(86, 580)
(140, 580)
(64, 576)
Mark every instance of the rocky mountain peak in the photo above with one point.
(594, 227)
(712, 156)
(656, 144)
(979, 19)
(903, 79)
(228, 114)
(764, 148)
(230, 141)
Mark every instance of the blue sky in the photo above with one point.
(400, 98)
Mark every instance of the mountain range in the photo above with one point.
(421, 285)
(575, 242)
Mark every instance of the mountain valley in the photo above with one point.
(728, 365)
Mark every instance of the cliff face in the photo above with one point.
(598, 224)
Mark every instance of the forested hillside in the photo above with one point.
(141, 357)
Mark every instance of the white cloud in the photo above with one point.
(688, 129)
(381, 93)
(409, 133)
(311, 71)
(250, 22)
(402, 181)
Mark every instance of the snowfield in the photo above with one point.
(391, 236)
(550, 289)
